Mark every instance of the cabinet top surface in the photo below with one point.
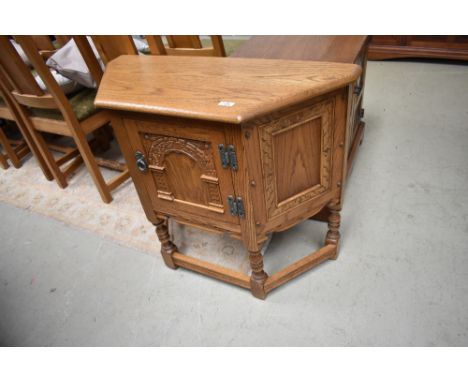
(311, 48)
(230, 90)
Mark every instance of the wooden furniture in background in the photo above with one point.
(243, 146)
(16, 150)
(344, 49)
(186, 46)
(440, 47)
(31, 99)
(111, 47)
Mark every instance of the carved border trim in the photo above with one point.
(324, 110)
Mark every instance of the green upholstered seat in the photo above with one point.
(82, 104)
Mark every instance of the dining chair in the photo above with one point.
(51, 111)
(185, 45)
(48, 45)
(16, 149)
(110, 47)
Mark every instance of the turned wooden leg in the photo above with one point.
(258, 276)
(167, 246)
(333, 234)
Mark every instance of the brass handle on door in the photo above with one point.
(141, 161)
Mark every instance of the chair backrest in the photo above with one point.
(185, 46)
(5, 89)
(89, 57)
(46, 45)
(22, 84)
(110, 47)
(21, 119)
(43, 42)
(18, 74)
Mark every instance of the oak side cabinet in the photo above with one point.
(243, 146)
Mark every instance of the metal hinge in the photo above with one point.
(228, 156)
(236, 206)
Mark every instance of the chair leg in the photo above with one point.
(10, 152)
(90, 162)
(3, 162)
(3, 159)
(35, 151)
(49, 159)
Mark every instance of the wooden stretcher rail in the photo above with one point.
(299, 267)
(237, 278)
(212, 270)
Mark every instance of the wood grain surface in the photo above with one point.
(344, 49)
(229, 90)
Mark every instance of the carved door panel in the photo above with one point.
(184, 176)
(296, 154)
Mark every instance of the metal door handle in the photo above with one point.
(141, 161)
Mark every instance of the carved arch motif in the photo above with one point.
(159, 146)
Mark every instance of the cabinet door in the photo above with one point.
(296, 151)
(185, 177)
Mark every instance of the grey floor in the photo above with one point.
(401, 278)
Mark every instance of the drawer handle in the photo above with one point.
(141, 161)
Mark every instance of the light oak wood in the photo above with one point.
(291, 151)
(299, 267)
(194, 87)
(45, 101)
(344, 49)
(212, 270)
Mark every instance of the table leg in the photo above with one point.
(167, 246)
(333, 234)
(258, 276)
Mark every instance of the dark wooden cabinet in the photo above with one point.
(246, 147)
(419, 46)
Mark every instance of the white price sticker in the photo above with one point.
(226, 103)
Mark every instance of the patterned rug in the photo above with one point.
(124, 222)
